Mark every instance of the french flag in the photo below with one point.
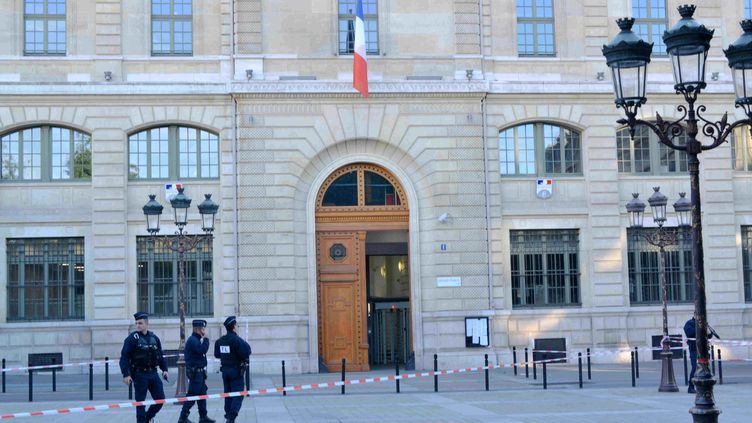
(360, 63)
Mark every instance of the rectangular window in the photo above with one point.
(347, 26)
(650, 23)
(644, 264)
(44, 27)
(535, 28)
(545, 268)
(527, 149)
(747, 9)
(171, 27)
(158, 271)
(45, 279)
(747, 261)
(646, 155)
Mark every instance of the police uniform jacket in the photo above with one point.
(141, 352)
(195, 351)
(232, 350)
(690, 330)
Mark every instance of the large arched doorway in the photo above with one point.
(363, 284)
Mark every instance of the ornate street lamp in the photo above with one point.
(636, 210)
(683, 207)
(661, 239)
(687, 44)
(180, 243)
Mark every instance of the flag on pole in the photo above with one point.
(360, 63)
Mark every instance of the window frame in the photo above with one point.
(536, 20)
(46, 18)
(656, 151)
(350, 18)
(747, 9)
(539, 152)
(173, 154)
(199, 256)
(649, 22)
(746, 235)
(46, 154)
(678, 267)
(172, 18)
(76, 307)
(549, 243)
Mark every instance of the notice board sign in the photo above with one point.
(476, 332)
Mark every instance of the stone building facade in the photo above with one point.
(462, 120)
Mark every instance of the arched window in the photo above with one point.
(646, 155)
(173, 152)
(45, 153)
(539, 149)
(360, 186)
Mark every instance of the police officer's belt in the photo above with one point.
(145, 369)
(196, 369)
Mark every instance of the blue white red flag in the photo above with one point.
(360, 62)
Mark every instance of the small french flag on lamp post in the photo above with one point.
(360, 63)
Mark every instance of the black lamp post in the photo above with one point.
(180, 243)
(661, 239)
(687, 44)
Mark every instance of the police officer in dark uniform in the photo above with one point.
(234, 353)
(139, 359)
(690, 331)
(195, 366)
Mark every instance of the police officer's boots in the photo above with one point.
(184, 418)
(206, 419)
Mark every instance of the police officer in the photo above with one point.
(233, 352)
(195, 366)
(139, 359)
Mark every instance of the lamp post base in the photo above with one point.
(704, 410)
(668, 381)
(180, 387)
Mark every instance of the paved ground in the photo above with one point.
(461, 398)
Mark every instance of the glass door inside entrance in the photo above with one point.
(388, 309)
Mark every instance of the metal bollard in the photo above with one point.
(31, 385)
(107, 373)
(712, 359)
(686, 375)
(396, 373)
(54, 377)
(344, 363)
(91, 382)
(637, 363)
(3, 375)
(545, 380)
(284, 379)
(130, 390)
(248, 377)
(514, 360)
(485, 358)
(589, 376)
(631, 353)
(435, 376)
(527, 371)
(720, 367)
(535, 368)
(579, 367)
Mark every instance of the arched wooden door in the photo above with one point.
(354, 200)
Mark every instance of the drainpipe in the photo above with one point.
(488, 200)
(236, 237)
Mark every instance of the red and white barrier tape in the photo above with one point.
(257, 392)
(57, 366)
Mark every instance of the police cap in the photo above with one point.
(198, 323)
(230, 321)
(141, 315)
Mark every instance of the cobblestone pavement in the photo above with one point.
(461, 398)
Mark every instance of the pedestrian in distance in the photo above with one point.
(233, 353)
(141, 356)
(195, 367)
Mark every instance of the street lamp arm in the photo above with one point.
(666, 131)
(180, 241)
(719, 131)
(661, 238)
